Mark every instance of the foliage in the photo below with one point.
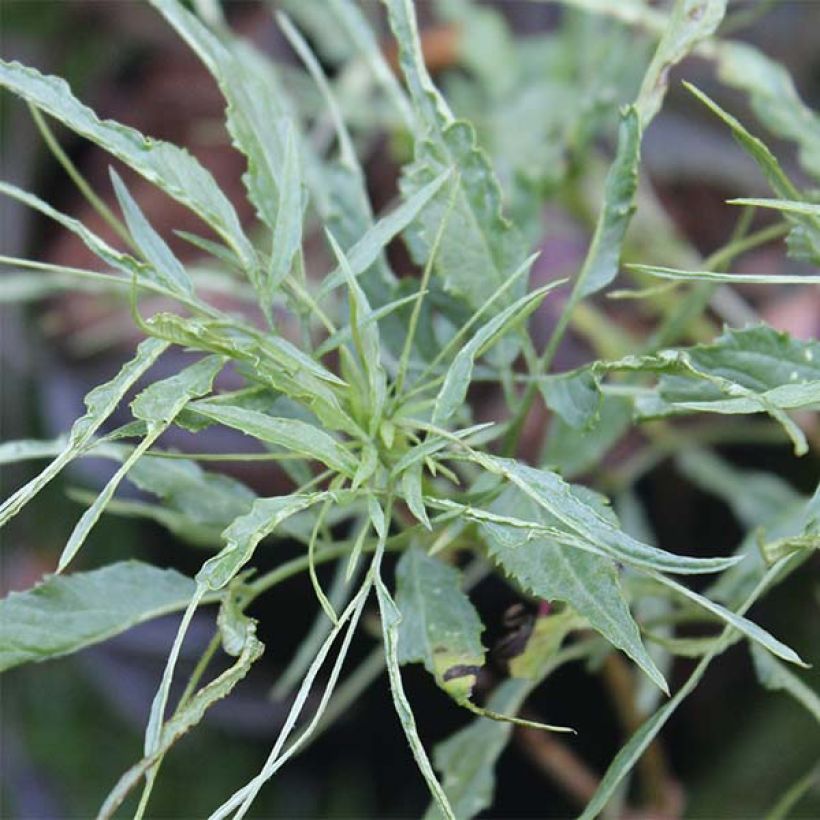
(370, 411)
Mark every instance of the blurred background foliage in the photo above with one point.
(542, 84)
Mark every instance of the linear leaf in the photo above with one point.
(601, 262)
(158, 405)
(116, 259)
(185, 718)
(785, 205)
(255, 116)
(66, 613)
(630, 753)
(298, 436)
(728, 278)
(411, 487)
(391, 619)
(365, 334)
(439, 625)
(690, 22)
(100, 404)
(287, 233)
(806, 234)
(168, 270)
(247, 531)
(371, 245)
(774, 98)
(778, 678)
(167, 166)
(453, 391)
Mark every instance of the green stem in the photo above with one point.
(78, 179)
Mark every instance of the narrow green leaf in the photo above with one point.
(255, 115)
(242, 798)
(100, 404)
(774, 98)
(368, 248)
(453, 391)
(116, 259)
(690, 22)
(168, 270)
(247, 531)
(785, 205)
(158, 405)
(741, 624)
(601, 262)
(808, 227)
(729, 278)
(439, 625)
(287, 233)
(365, 334)
(411, 487)
(367, 466)
(185, 718)
(170, 168)
(391, 619)
(66, 613)
(344, 334)
(629, 755)
(778, 678)
(298, 436)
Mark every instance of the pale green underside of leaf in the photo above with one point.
(296, 435)
(66, 613)
(439, 625)
(391, 619)
(170, 168)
